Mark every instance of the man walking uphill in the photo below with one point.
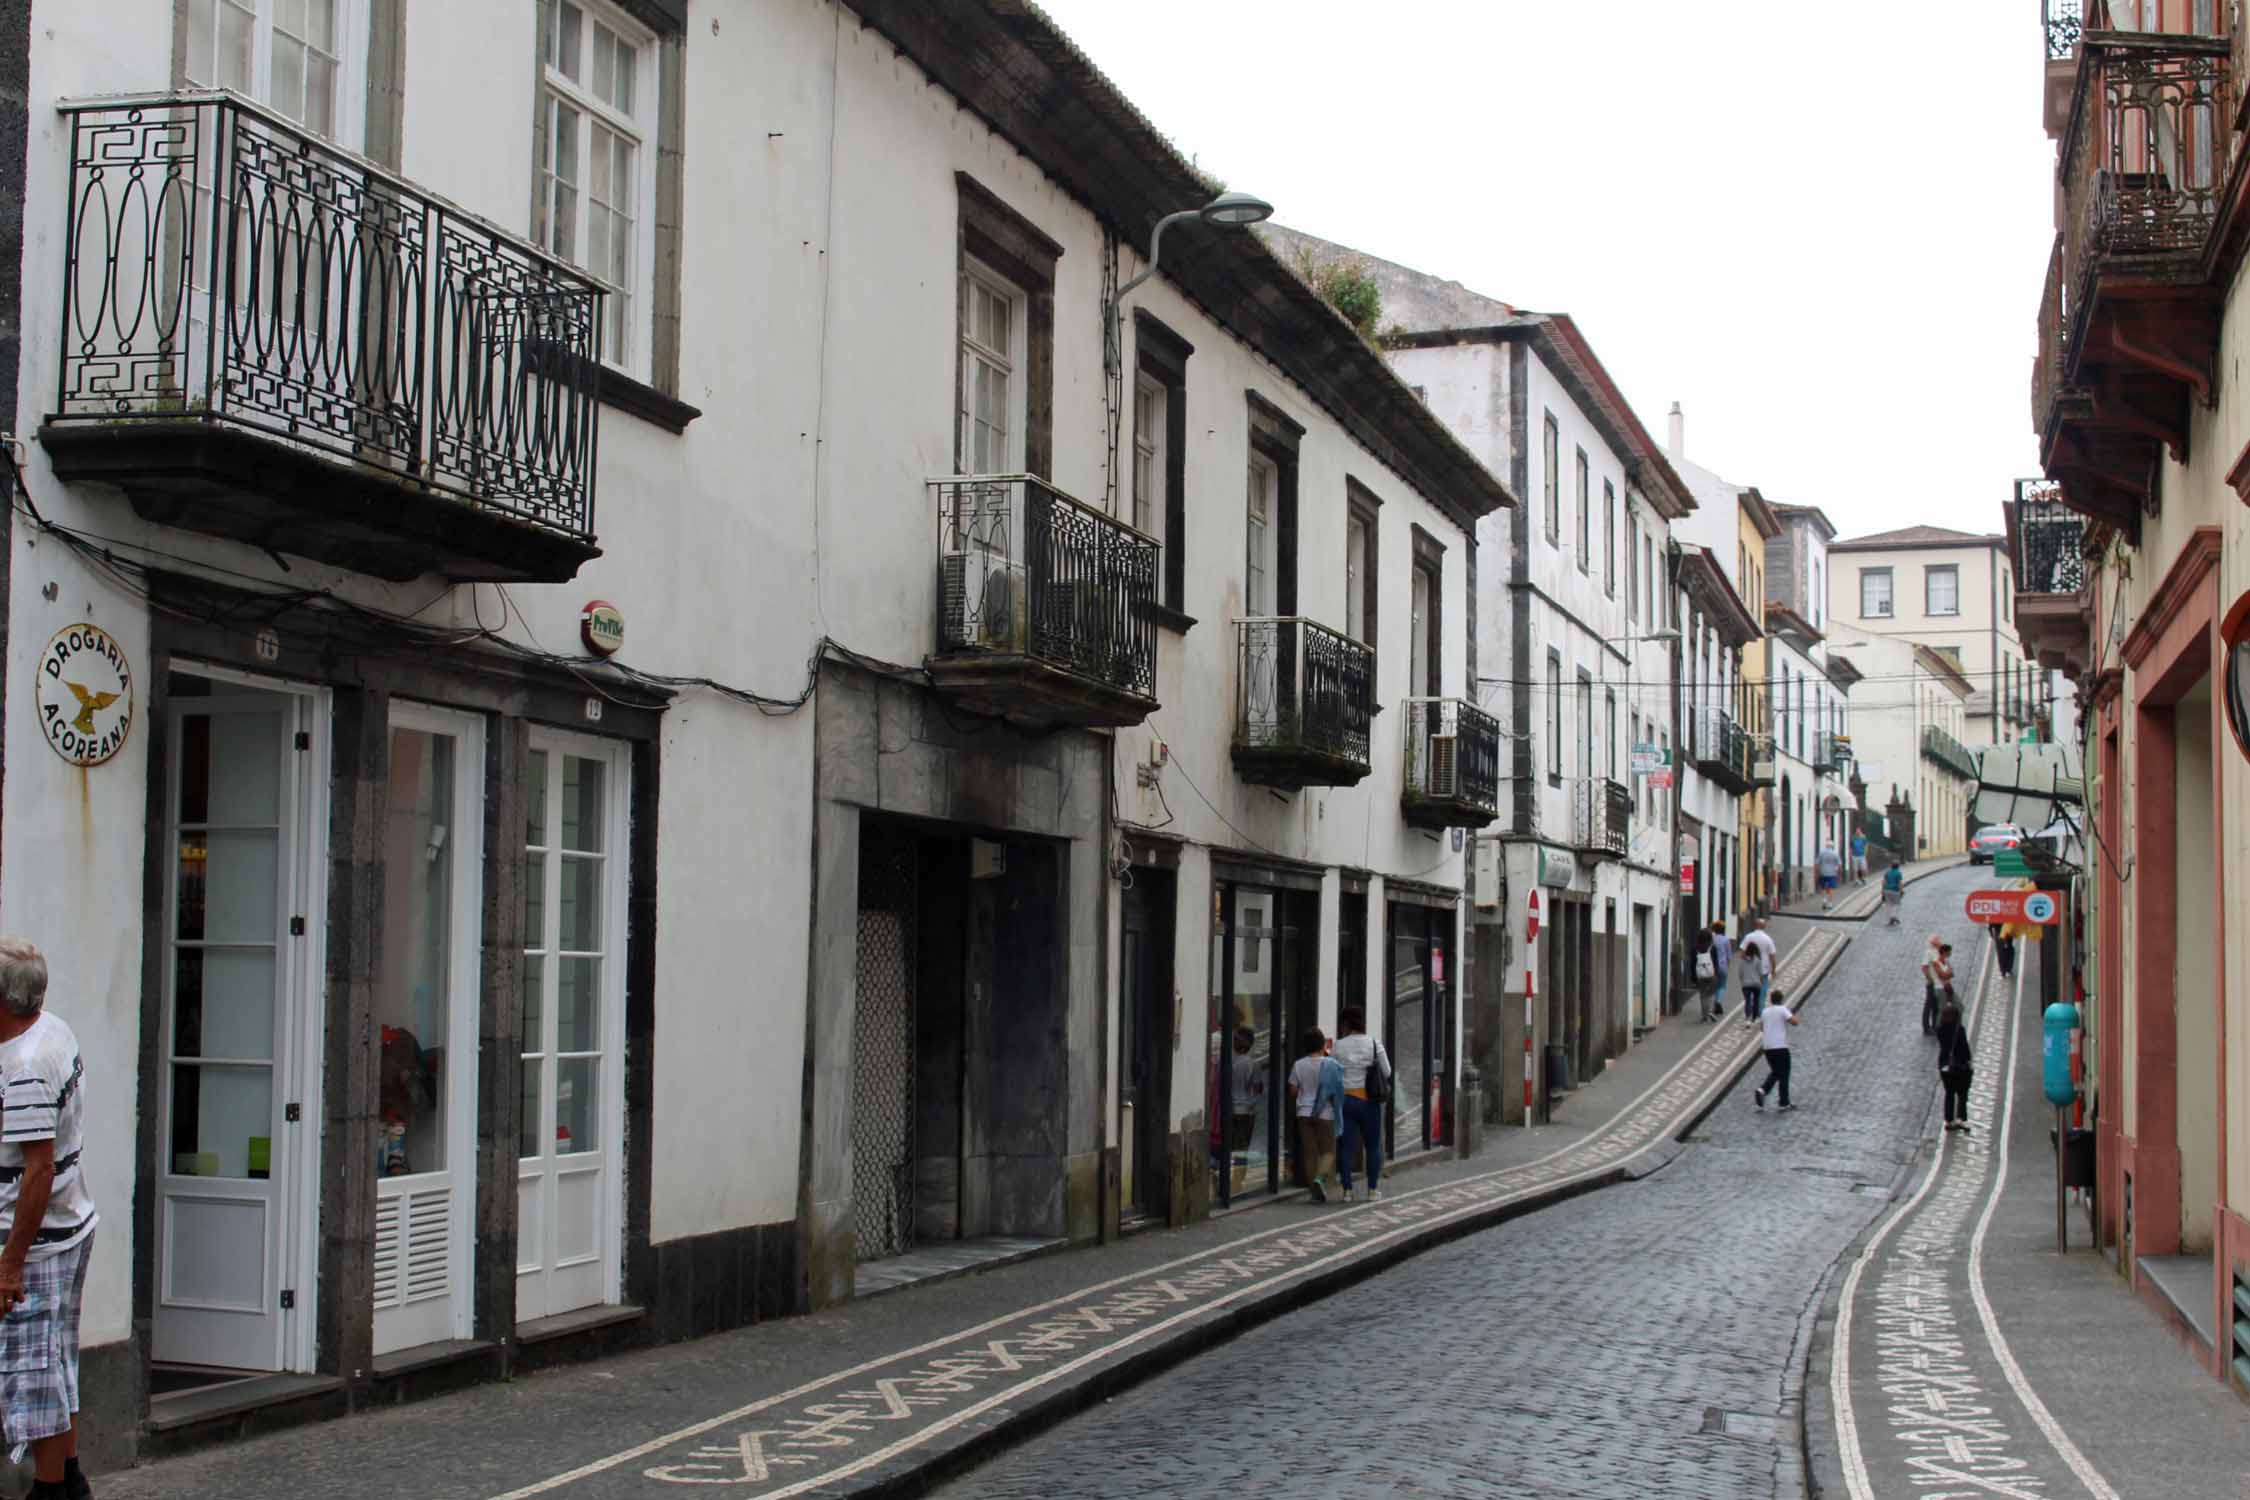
(1758, 959)
(48, 1220)
(1776, 1018)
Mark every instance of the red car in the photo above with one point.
(1993, 838)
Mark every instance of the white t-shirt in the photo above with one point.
(1353, 1053)
(1758, 956)
(1249, 1084)
(42, 1097)
(1305, 1079)
(1775, 1019)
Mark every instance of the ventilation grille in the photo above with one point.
(413, 1246)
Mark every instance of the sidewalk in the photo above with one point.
(891, 1393)
(1864, 899)
(1955, 1346)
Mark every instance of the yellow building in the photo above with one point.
(1755, 525)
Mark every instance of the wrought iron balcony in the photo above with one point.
(1762, 768)
(1721, 750)
(1304, 703)
(2065, 21)
(2049, 541)
(1043, 605)
(1601, 815)
(270, 339)
(1452, 764)
(1944, 750)
(1828, 755)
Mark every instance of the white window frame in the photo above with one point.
(640, 128)
(1149, 417)
(1890, 584)
(350, 122)
(1011, 362)
(1362, 526)
(1260, 520)
(1930, 574)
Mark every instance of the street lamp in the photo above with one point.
(1227, 211)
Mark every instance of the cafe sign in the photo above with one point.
(85, 690)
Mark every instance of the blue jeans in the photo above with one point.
(1363, 1125)
(1753, 998)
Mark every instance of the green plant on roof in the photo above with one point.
(1345, 283)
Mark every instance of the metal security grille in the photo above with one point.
(883, 1047)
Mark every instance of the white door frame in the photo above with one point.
(616, 758)
(300, 1020)
(464, 1014)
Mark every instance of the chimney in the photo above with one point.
(1679, 432)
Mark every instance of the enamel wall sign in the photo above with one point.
(85, 693)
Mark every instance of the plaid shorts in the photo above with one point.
(39, 1350)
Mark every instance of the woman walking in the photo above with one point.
(1954, 1065)
(1367, 1076)
(1706, 974)
(1318, 1083)
(1937, 981)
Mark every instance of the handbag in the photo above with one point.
(1705, 966)
(1378, 1086)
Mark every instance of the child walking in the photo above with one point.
(1317, 1081)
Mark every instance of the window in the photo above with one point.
(1609, 728)
(1148, 454)
(1585, 514)
(1258, 563)
(1648, 577)
(1161, 357)
(286, 54)
(1362, 562)
(1874, 593)
(1419, 678)
(1426, 652)
(1554, 717)
(2007, 596)
(1609, 539)
(594, 180)
(1941, 590)
(1585, 766)
(991, 430)
(1551, 457)
(1633, 573)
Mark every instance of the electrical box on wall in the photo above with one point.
(1485, 877)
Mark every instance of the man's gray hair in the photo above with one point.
(23, 977)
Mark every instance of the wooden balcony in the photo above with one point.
(1452, 764)
(2129, 321)
(1304, 704)
(275, 341)
(1044, 606)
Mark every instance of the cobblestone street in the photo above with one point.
(1639, 1341)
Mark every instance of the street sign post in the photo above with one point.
(2036, 908)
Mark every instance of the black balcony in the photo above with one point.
(1943, 750)
(1304, 704)
(1452, 764)
(1043, 606)
(269, 339)
(1602, 814)
(1722, 750)
(1828, 756)
(2054, 609)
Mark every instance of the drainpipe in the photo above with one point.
(1676, 961)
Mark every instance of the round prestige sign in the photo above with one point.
(2039, 907)
(85, 693)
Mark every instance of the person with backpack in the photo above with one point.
(1955, 1065)
(1367, 1094)
(1706, 974)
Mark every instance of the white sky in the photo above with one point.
(1821, 227)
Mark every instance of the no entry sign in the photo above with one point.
(2035, 907)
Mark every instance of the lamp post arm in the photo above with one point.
(1155, 241)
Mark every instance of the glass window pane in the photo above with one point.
(235, 28)
(581, 924)
(531, 1024)
(601, 162)
(230, 769)
(228, 885)
(320, 24)
(222, 1120)
(532, 1136)
(578, 1005)
(628, 59)
(288, 78)
(570, 34)
(605, 63)
(535, 901)
(289, 16)
(414, 988)
(222, 1004)
(320, 95)
(577, 1105)
(582, 804)
(202, 41)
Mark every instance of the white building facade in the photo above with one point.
(912, 693)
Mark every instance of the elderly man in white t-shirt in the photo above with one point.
(1776, 1019)
(47, 1220)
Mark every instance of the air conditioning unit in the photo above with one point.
(980, 601)
(1443, 778)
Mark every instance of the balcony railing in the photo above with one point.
(1828, 754)
(2144, 156)
(2065, 22)
(226, 270)
(2047, 372)
(1452, 764)
(1946, 751)
(1602, 812)
(1721, 749)
(1304, 703)
(1043, 604)
(2050, 540)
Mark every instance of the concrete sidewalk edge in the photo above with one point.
(914, 1474)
